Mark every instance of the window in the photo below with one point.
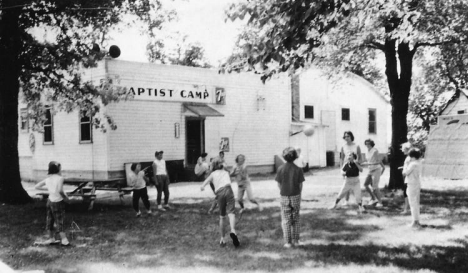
(48, 128)
(308, 111)
(345, 114)
(85, 128)
(461, 112)
(24, 120)
(372, 121)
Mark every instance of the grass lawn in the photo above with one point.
(185, 239)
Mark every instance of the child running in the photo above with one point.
(138, 182)
(351, 171)
(243, 182)
(412, 173)
(225, 198)
(376, 169)
(55, 203)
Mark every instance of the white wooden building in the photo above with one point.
(349, 103)
(180, 110)
(185, 111)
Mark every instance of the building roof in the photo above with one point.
(455, 97)
(370, 85)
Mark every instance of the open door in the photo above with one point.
(195, 139)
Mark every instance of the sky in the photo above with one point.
(201, 20)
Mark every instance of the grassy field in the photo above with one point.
(185, 239)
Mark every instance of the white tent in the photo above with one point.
(447, 148)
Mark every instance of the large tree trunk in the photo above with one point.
(11, 190)
(400, 86)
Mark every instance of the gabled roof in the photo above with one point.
(455, 97)
(370, 85)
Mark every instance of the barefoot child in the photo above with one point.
(225, 198)
(138, 182)
(351, 171)
(55, 203)
(412, 173)
(243, 182)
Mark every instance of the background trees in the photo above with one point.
(349, 34)
(46, 67)
(176, 50)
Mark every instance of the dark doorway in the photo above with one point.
(195, 130)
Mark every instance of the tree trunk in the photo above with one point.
(400, 86)
(11, 190)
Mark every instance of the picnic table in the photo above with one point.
(86, 188)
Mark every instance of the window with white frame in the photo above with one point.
(24, 119)
(308, 111)
(345, 114)
(85, 128)
(372, 121)
(48, 128)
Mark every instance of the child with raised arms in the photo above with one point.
(138, 182)
(243, 182)
(225, 198)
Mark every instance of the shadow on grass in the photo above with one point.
(187, 237)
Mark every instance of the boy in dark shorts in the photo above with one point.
(225, 198)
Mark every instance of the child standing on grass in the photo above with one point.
(351, 171)
(243, 182)
(412, 173)
(161, 180)
(405, 148)
(290, 178)
(225, 198)
(55, 203)
(138, 182)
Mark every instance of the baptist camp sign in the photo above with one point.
(213, 95)
(167, 91)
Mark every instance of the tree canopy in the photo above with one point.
(349, 35)
(176, 50)
(47, 67)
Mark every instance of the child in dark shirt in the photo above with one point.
(351, 171)
(290, 178)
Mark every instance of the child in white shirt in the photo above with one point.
(412, 173)
(55, 203)
(225, 198)
(138, 182)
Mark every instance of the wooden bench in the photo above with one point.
(175, 170)
(86, 188)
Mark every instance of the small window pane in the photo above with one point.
(372, 121)
(308, 111)
(48, 128)
(24, 120)
(461, 112)
(85, 128)
(345, 114)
